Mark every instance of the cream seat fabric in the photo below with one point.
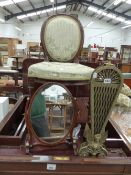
(60, 71)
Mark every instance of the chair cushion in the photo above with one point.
(126, 90)
(123, 100)
(60, 71)
(62, 37)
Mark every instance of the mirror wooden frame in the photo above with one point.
(35, 143)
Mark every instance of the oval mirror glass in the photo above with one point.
(51, 112)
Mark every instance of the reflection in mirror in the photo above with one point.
(51, 113)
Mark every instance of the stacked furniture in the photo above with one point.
(85, 148)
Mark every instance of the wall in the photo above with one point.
(127, 36)
(100, 32)
(7, 29)
(31, 32)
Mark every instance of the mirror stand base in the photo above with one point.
(61, 149)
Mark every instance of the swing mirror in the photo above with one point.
(51, 112)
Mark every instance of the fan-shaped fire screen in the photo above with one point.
(106, 83)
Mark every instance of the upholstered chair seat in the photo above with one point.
(60, 71)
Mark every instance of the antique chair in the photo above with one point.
(62, 40)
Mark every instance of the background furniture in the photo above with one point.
(125, 53)
(12, 73)
(61, 116)
(8, 65)
(8, 47)
(17, 58)
(10, 83)
(34, 50)
(127, 78)
(126, 58)
(110, 53)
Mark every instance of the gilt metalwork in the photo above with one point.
(106, 83)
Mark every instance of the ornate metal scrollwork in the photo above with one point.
(94, 144)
